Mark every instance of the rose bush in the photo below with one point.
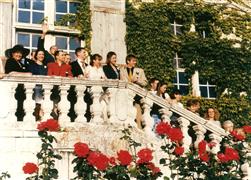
(46, 156)
(202, 163)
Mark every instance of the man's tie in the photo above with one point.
(130, 75)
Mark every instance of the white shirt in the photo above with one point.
(94, 73)
(80, 64)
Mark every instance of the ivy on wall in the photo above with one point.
(149, 35)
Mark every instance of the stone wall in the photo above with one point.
(108, 28)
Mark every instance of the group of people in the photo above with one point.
(56, 62)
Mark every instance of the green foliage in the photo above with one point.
(84, 22)
(47, 156)
(150, 37)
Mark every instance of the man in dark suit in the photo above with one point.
(49, 56)
(79, 65)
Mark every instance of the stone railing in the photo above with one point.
(94, 112)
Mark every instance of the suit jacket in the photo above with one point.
(12, 65)
(138, 74)
(76, 69)
(48, 58)
(110, 73)
(55, 70)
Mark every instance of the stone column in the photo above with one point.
(29, 104)
(64, 105)
(47, 104)
(80, 106)
(96, 107)
(165, 115)
(216, 139)
(131, 110)
(12, 102)
(187, 140)
(112, 106)
(149, 123)
(199, 131)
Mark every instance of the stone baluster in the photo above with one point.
(199, 131)
(149, 122)
(121, 103)
(215, 139)
(29, 105)
(47, 104)
(64, 105)
(112, 106)
(9, 108)
(131, 109)
(165, 115)
(184, 126)
(97, 106)
(80, 106)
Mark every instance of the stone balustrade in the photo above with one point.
(94, 112)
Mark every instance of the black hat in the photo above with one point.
(17, 48)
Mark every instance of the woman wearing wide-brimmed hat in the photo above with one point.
(15, 56)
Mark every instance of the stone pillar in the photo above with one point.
(149, 122)
(131, 110)
(165, 115)
(112, 106)
(9, 108)
(47, 104)
(80, 106)
(199, 131)
(29, 104)
(216, 139)
(195, 84)
(187, 140)
(96, 107)
(64, 105)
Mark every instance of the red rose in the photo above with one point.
(145, 155)
(162, 128)
(231, 154)
(237, 136)
(153, 168)
(102, 162)
(204, 157)
(49, 125)
(247, 129)
(99, 160)
(30, 168)
(179, 150)
(202, 146)
(124, 157)
(81, 149)
(112, 161)
(175, 134)
(222, 157)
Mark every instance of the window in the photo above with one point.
(30, 11)
(28, 40)
(68, 44)
(207, 90)
(65, 7)
(181, 82)
(176, 28)
(177, 62)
